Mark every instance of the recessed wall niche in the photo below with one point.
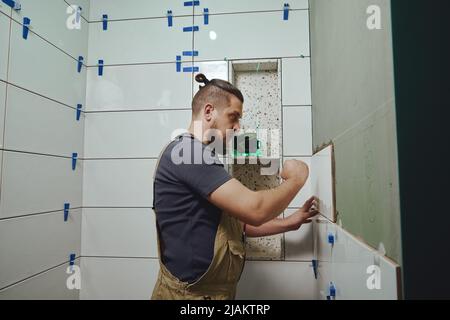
(260, 83)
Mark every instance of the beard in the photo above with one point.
(218, 141)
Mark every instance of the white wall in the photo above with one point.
(39, 92)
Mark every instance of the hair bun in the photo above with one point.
(201, 78)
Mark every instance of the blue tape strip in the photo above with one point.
(178, 63)
(26, 27)
(80, 63)
(191, 3)
(169, 18)
(206, 16)
(190, 29)
(72, 259)
(190, 69)
(190, 53)
(100, 67)
(332, 290)
(105, 22)
(286, 11)
(79, 107)
(74, 160)
(13, 4)
(66, 211)
(331, 238)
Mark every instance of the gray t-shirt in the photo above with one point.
(186, 219)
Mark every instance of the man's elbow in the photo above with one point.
(257, 214)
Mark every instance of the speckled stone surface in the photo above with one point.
(262, 110)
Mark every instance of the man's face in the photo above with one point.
(226, 120)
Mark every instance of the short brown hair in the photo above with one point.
(213, 91)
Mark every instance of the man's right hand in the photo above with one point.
(295, 169)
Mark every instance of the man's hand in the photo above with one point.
(295, 169)
(303, 215)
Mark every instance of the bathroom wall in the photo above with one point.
(144, 94)
(354, 107)
(40, 88)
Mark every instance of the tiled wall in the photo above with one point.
(40, 88)
(129, 113)
(132, 109)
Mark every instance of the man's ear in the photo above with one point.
(208, 112)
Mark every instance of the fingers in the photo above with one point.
(312, 213)
(310, 203)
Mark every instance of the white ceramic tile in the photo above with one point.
(212, 70)
(117, 232)
(276, 280)
(2, 110)
(4, 44)
(138, 87)
(49, 285)
(347, 267)
(118, 278)
(299, 243)
(54, 21)
(37, 124)
(296, 87)
(322, 248)
(5, 9)
(322, 182)
(305, 192)
(132, 134)
(62, 81)
(117, 9)
(32, 244)
(148, 40)
(297, 131)
(118, 183)
(46, 182)
(252, 35)
(230, 6)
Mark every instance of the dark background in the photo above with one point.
(421, 60)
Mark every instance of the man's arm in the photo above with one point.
(258, 207)
(281, 225)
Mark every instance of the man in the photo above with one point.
(203, 214)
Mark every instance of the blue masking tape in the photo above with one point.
(13, 4)
(190, 29)
(190, 53)
(178, 63)
(80, 63)
(286, 11)
(331, 238)
(100, 67)
(72, 259)
(66, 211)
(169, 18)
(74, 160)
(191, 3)
(190, 69)
(206, 16)
(79, 107)
(105, 22)
(26, 27)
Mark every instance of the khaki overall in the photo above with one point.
(220, 280)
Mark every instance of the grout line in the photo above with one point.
(6, 104)
(138, 110)
(106, 207)
(120, 158)
(38, 214)
(38, 153)
(37, 274)
(40, 95)
(195, 15)
(297, 105)
(310, 74)
(119, 257)
(188, 61)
